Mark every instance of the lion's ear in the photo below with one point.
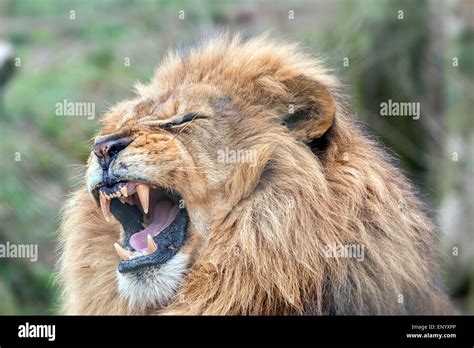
(311, 112)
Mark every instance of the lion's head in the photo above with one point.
(220, 185)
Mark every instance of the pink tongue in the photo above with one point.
(163, 215)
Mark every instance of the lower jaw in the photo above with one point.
(168, 242)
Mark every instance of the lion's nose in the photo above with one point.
(108, 147)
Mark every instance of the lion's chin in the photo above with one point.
(153, 287)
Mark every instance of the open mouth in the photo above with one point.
(154, 223)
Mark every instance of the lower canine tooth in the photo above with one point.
(151, 244)
(123, 254)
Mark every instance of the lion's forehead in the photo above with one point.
(191, 98)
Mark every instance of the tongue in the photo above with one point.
(164, 214)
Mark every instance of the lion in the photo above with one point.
(238, 182)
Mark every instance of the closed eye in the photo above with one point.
(174, 123)
(182, 120)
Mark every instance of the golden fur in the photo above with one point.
(258, 230)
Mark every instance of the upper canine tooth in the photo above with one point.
(124, 191)
(105, 206)
(151, 244)
(143, 191)
(123, 253)
(118, 194)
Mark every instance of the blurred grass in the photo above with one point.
(83, 60)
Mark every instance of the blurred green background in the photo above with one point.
(418, 51)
